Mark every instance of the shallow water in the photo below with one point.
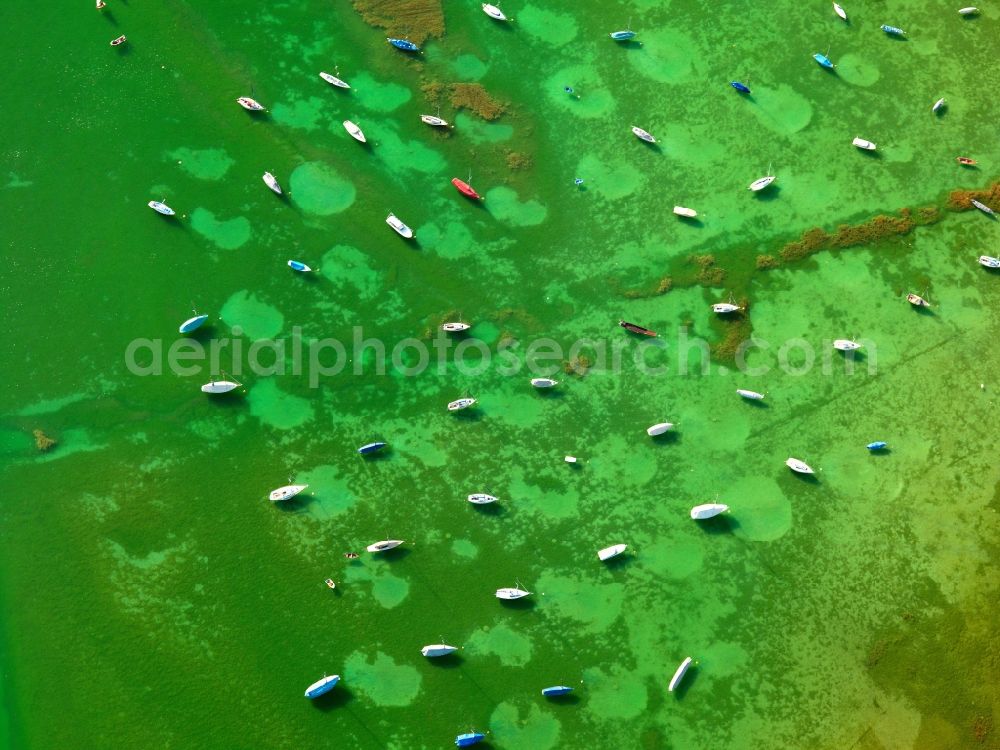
(148, 577)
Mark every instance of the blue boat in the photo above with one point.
(551, 692)
(823, 60)
(741, 87)
(371, 448)
(192, 324)
(622, 36)
(469, 738)
(893, 30)
(877, 445)
(320, 687)
(404, 44)
(296, 265)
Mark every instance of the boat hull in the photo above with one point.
(750, 395)
(799, 467)
(193, 324)
(556, 690)
(679, 674)
(219, 386)
(481, 498)
(709, 510)
(320, 687)
(659, 429)
(438, 649)
(466, 189)
(611, 552)
(462, 403)
(512, 594)
(365, 450)
(286, 493)
(633, 328)
(384, 546)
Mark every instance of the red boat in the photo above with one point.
(636, 329)
(965, 160)
(466, 189)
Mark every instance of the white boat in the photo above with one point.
(688, 212)
(970, 11)
(659, 429)
(494, 12)
(983, 207)
(462, 403)
(334, 80)
(511, 594)
(846, 345)
(455, 327)
(298, 265)
(937, 105)
(570, 459)
(917, 301)
(799, 467)
(384, 545)
(725, 307)
(286, 493)
(100, 4)
(989, 261)
(438, 649)
(322, 686)
(752, 395)
(840, 11)
(679, 674)
(481, 498)
(161, 208)
(433, 120)
(192, 324)
(642, 135)
(220, 386)
(708, 510)
(272, 182)
(355, 131)
(863, 144)
(251, 104)
(613, 551)
(763, 182)
(401, 229)
(544, 382)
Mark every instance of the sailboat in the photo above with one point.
(840, 11)
(494, 12)
(469, 738)
(750, 395)
(192, 324)
(863, 144)
(462, 403)
(272, 182)
(642, 135)
(161, 208)
(708, 510)
(333, 80)
(762, 182)
(659, 429)
(510, 594)
(481, 498)
(438, 649)
(250, 104)
(384, 545)
(355, 131)
(625, 35)
(689, 213)
(556, 690)
(938, 105)
(846, 345)
(679, 674)
(455, 327)
(220, 386)
(286, 493)
(799, 467)
(823, 60)
(544, 382)
(322, 686)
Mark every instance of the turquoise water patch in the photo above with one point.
(332, 493)
(408, 156)
(453, 241)
(761, 509)
(594, 607)
(380, 97)
(547, 26)
(479, 131)
(666, 56)
(305, 114)
(590, 97)
(76, 440)
(465, 548)
(205, 164)
(278, 409)
(347, 266)
(782, 109)
(468, 68)
(512, 648)
(52, 405)
(256, 319)
(227, 234)
(505, 206)
(537, 730)
(612, 181)
(381, 681)
(615, 696)
(858, 71)
(319, 189)
(390, 591)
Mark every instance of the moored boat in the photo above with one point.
(708, 510)
(723, 308)
(434, 120)
(917, 301)
(877, 445)
(642, 135)
(846, 345)
(469, 738)
(863, 144)
(286, 493)
(322, 686)
(622, 36)
(892, 30)
(544, 382)
(938, 105)
(970, 11)
(250, 104)
(438, 649)
(741, 87)
(989, 261)
(688, 212)
(161, 208)
(494, 12)
(401, 229)
(119, 41)
(192, 324)
(330, 583)
(799, 467)
(659, 429)
(404, 44)
(840, 11)
(378, 445)
(510, 594)
(751, 395)
(633, 328)
(556, 690)
(384, 546)
(481, 498)
(331, 79)
(272, 182)
(220, 386)
(355, 131)
(823, 60)
(455, 327)
(101, 4)
(462, 403)
(679, 674)
(466, 189)
(965, 161)
(761, 183)
(609, 552)
(982, 207)
(297, 265)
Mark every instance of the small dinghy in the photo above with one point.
(250, 104)
(466, 189)
(823, 60)
(708, 510)
(333, 80)
(938, 105)
(119, 41)
(400, 228)
(877, 445)
(687, 212)
(989, 261)
(355, 131)
(970, 11)
(799, 467)
(434, 120)
(101, 4)
(741, 87)
(642, 135)
(272, 182)
(481, 498)
(296, 265)
(512, 594)
(863, 144)
(659, 429)
(455, 327)
(570, 459)
(840, 11)
(220, 386)
(556, 690)
(438, 649)
(384, 546)
(983, 207)
(322, 686)
(192, 324)
(462, 403)
(917, 301)
(286, 493)
(330, 583)
(892, 30)
(633, 328)
(161, 208)
(494, 12)
(404, 44)
(724, 308)
(544, 382)
(375, 447)
(846, 345)
(609, 552)
(469, 738)
(622, 36)
(763, 182)
(679, 674)
(965, 161)
(751, 395)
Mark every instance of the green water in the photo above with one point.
(153, 597)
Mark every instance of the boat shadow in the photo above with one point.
(805, 478)
(897, 38)
(628, 43)
(874, 154)
(489, 509)
(620, 562)
(922, 310)
(202, 334)
(690, 677)
(395, 554)
(448, 661)
(297, 504)
(526, 603)
(692, 221)
(468, 415)
(339, 696)
(569, 699)
(550, 393)
(655, 147)
(855, 355)
(109, 17)
(755, 403)
(771, 193)
(380, 455)
(670, 437)
(720, 524)
(881, 452)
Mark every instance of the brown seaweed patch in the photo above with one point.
(766, 262)
(663, 286)
(475, 98)
(579, 365)
(417, 20)
(738, 330)
(709, 274)
(981, 728)
(517, 161)
(880, 227)
(961, 200)
(42, 441)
